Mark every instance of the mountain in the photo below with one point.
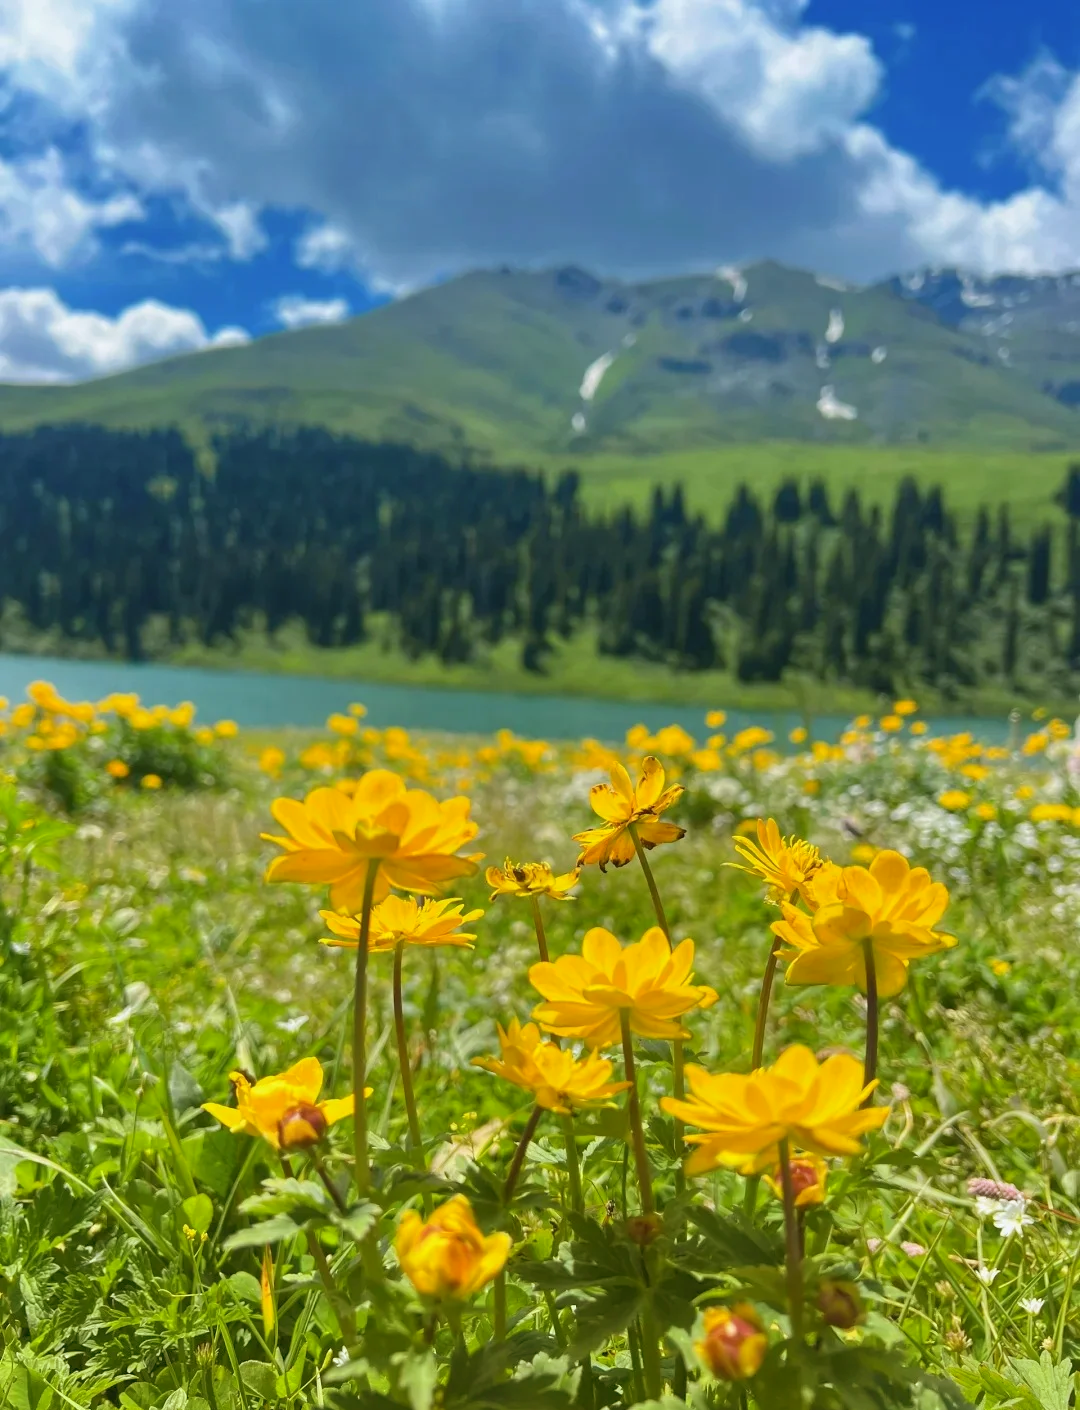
(518, 365)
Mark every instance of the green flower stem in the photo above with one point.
(641, 1155)
(678, 1080)
(518, 1161)
(509, 1186)
(791, 1239)
(658, 905)
(404, 1065)
(573, 1166)
(331, 1188)
(362, 1171)
(763, 1005)
(872, 1024)
(541, 934)
(650, 1353)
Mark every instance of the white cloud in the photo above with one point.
(294, 311)
(327, 248)
(43, 340)
(38, 208)
(428, 137)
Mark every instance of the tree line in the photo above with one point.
(130, 543)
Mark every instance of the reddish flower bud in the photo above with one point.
(644, 1229)
(301, 1126)
(840, 1303)
(734, 1344)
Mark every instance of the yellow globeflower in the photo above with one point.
(743, 1118)
(557, 1079)
(116, 768)
(284, 1109)
(151, 781)
(586, 994)
(333, 838)
(954, 800)
(734, 1342)
(621, 804)
(905, 707)
(891, 904)
(716, 719)
(226, 729)
(399, 919)
(448, 1257)
(531, 879)
(272, 760)
(919, 727)
(891, 723)
(785, 864)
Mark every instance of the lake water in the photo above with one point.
(255, 700)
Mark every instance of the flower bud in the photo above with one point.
(734, 1344)
(840, 1303)
(808, 1176)
(644, 1229)
(301, 1126)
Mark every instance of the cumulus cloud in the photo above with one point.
(295, 311)
(429, 136)
(40, 210)
(43, 340)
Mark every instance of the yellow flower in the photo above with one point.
(151, 781)
(743, 1119)
(530, 879)
(955, 800)
(22, 716)
(284, 1109)
(1051, 812)
(272, 761)
(1034, 744)
(226, 729)
(204, 735)
(586, 994)
(785, 864)
(890, 904)
(808, 1177)
(116, 768)
(673, 740)
(734, 1342)
(182, 715)
(716, 719)
(862, 722)
(1024, 792)
(557, 1079)
(448, 1257)
(333, 838)
(799, 734)
(985, 812)
(357, 710)
(891, 723)
(344, 725)
(905, 707)
(1000, 968)
(399, 919)
(919, 727)
(620, 803)
(863, 853)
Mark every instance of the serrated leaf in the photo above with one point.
(271, 1231)
(604, 1317)
(1050, 1383)
(418, 1374)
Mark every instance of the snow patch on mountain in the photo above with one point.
(833, 409)
(594, 375)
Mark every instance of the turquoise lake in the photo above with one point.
(256, 700)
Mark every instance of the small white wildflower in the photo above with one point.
(1011, 1218)
(986, 1275)
(987, 1208)
(1032, 1305)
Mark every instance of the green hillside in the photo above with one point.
(710, 379)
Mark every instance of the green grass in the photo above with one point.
(144, 958)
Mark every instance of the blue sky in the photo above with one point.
(178, 175)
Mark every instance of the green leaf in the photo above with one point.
(604, 1317)
(418, 1375)
(359, 1220)
(199, 1212)
(259, 1378)
(272, 1231)
(1051, 1384)
(734, 1240)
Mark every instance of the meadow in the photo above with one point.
(240, 1168)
